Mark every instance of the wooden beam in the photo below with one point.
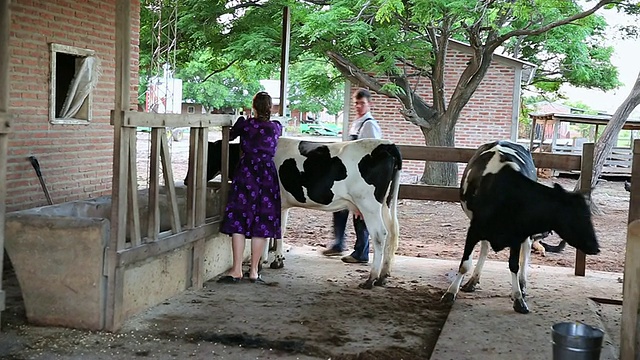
(629, 327)
(5, 126)
(586, 174)
(284, 60)
(197, 252)
(429, 192)
(224, 181)
(193, 179)
(134, 208)
(153, 220)
(142, 119)
(166, 244)
(170, 185)
(634, 196)
(115, 282)
(463, 155)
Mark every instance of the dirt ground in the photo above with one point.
(309, 314)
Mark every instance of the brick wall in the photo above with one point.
(76, 160)
(486, 117)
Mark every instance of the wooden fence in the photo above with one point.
(582, 163)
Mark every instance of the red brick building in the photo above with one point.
(491, 114)
(48, 39)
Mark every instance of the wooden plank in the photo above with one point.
(165, 244)
(429, 192)
(5, 127)
(586, 175)
(197, 251)
(170, 185)
(134, 208)
(193, 179)
(463, 155)
(153, 221)
(436, 153)
(634, 196)
(629, 327)
(224, 181)
(284, 59)
(120, 157)
(142, 119)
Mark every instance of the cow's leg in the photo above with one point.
(278, 261)
(391, 245)
(465, 266)
(525, 255)
(470, 286)
(378, 234)
(519, 305)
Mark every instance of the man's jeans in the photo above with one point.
(361, 248)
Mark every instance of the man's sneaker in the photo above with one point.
(351, 260)
(332, 252)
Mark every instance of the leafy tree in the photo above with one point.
(315, 85)
(390, 45)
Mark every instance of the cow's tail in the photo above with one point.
(392, 200)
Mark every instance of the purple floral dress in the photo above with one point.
(253, 207)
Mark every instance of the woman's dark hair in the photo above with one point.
(262, 105)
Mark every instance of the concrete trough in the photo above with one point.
(59, 256)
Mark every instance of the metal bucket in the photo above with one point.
(576, 341)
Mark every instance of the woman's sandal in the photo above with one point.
(228, 279)
(259, 281)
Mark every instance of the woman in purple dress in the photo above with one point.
(253, 207)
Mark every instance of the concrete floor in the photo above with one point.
(481, 325)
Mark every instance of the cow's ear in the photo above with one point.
(241, 118)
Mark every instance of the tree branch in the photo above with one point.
(552, 25)
(219, 70)
(359, 77)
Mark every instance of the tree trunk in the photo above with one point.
(609, 137)
(610, 134)
(440, 173)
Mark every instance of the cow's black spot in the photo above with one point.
(379, 168)
(291, 179)
(320, 172)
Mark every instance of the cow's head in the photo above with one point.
(574, 221)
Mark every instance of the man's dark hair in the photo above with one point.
(362, 93)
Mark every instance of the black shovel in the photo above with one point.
(36, 166)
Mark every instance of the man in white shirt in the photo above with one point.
(364, 127)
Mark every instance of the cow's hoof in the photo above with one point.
(520, 306)
(470, 286)
(367, 284)
(380, 282)
(448, 298)
(277, 264)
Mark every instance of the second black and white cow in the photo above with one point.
(506, 205)
(361, 175)
(214, 159)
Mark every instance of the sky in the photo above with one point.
(626, 57)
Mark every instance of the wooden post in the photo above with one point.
(224, 182)
(5, 125)
(153, 221)
(586, 174)
(533, 133)
(197, 254)
(115, 274)
(630, 327)
(634, 196)
(284, 59)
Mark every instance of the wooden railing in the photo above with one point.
(583, 163)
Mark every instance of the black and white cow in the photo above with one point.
(214, 159)
(506, 205)
(361, 175)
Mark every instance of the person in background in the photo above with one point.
(364, 127)
(253, 206)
